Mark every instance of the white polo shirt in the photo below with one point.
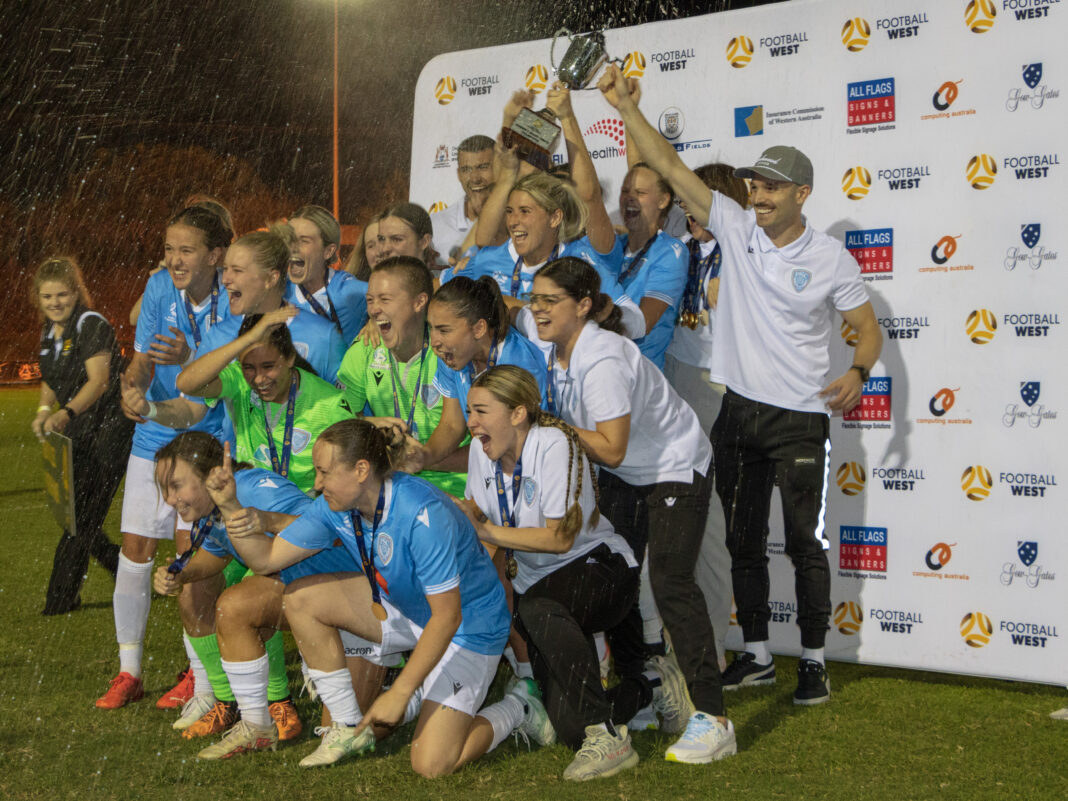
(776, 309)
(609, 377)
(450, 228)
(544, 495)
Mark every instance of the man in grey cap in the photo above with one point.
(781, 285)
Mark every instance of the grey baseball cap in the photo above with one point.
(780, 163)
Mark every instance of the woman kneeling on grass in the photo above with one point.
(428, 586)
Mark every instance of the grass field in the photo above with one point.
(886, 734)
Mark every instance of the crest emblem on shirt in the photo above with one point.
(380, 359)
(302, 348)
(800, 279)
(384, 547)
(301, 439)
(529, 488)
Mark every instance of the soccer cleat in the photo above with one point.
(221, 716)
(813, 684)
(705, 740)
(1060, 714)
(745, 672)
(671, 699)
(285, 718)
(645, 720)
(195, 708)
(241, 739)
(124, 689)
(179, 694)
(536, 724)
(338, 743)
(602, 754)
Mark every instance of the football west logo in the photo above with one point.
(445, 90)
(437, 205)
(739, 51)
(848, 617)
(537, 78)
(976, 629)
(981, 171)
(851, 478)
(855, 34)
(856, 182)
(981, 326)
(979, 15)
(634, 65)
(976, 482)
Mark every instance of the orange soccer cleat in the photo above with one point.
(285, 718)
(221, 716)
(180, 693)
(124, 689)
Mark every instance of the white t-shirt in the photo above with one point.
(776, 308)
(450, 228)
(693, 346)
(545, 494)
(609, 377)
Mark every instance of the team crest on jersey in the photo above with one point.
(267, 482)
(384, 547)
(302, 348)
(379, 359)
(262, 455)
(529, 488)
(430, 395)
(301, 439)
(800, 279)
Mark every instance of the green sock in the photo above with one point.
(278, 681)
(207, 648)
(234, 572)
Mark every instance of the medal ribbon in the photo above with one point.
(508, 517)
(639, 258)
(410, 421)
(517, 272)
(550, 388)
(213, 318)
(329, 313)
(491, 362)
(281, 466)
(201, 529)
(368, 560)
(701, 269)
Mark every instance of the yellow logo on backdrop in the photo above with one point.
(976, 628)
(982, 169)
(445, 90)
(856, 182)
(979, 15)
(848, 616)
(634, 65)
(851, 478)
(855, 34)
(981, 326)
(739, 51)
(976, 482)
(437, 205)
(537, 78)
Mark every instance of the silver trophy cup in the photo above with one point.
(584, 58)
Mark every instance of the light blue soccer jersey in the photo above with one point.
(661, 275)
(270, 492)
(424, 546)
(517, 350)
(314, 337)
(162, 307)
(345, 294)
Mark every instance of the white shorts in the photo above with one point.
(143, 510)
(460, 679)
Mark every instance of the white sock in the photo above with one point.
(415, 703)
(133, 594)
(601, 645)
(201, 683)
(652, 625)
(815, 654)
(759, 650)
(248, 680)
(335, 690)
(523, 670)
(504, 716)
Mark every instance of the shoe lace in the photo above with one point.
(697, 728)
(280, 710)
(595, 747)
(519, 734)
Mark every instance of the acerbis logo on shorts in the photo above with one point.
(445, 90)
(739, 51)
(855, 34)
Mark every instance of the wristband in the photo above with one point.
(152, 411)
(70, 412)
(43, 408)
(865, 373)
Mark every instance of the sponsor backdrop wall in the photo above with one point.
(936, 131)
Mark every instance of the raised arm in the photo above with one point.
(657, 151)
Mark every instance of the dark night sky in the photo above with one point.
(243, 78)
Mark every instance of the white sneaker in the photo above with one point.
(671, 699)
(645, 720)
(1060, 714)
(601, 755)
(193, 710)
(338, 743)
(536, 724)
(705, 740)
(241, 739)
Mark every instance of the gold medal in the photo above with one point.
(703, 318)
(511, 568)
(379, 611)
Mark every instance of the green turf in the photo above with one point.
(886, 734)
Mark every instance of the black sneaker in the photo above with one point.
(813, 684)
(745, 672)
